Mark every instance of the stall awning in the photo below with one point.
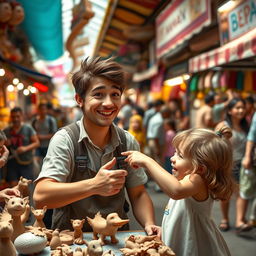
(241, 48)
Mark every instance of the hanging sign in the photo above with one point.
(179, 21)
(236, 18)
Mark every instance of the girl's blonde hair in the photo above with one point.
(213, 152)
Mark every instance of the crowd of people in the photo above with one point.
(194, 166)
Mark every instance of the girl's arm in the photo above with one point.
(190, 185)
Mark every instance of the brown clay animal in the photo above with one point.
(78, 233)
(55, 241)
(78, 252)
(6, 246)
(94, 248)
(39, 215)
(16, 206)
(106, 227)
(23, 186)
(108, 253)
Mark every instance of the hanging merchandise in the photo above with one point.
(224, 78)
(232, 80)
(200, 85)
(248, 81)
(216, 80)
(208, 81)
(240, 81)
(193, 83)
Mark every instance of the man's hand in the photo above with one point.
(153, 230)
(109, 182)
(21, 149)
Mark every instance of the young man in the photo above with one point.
(21, 141)
(98, 185)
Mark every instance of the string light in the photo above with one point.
(15, 81)
(2, 72)
(26, 92)
(20, 86)
(10, 88)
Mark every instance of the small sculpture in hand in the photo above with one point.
(106, 227)
(78, 233)
(6, 246)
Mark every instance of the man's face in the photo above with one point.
(16, 118)
(102, 103)
(42, 110)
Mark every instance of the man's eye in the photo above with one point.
(116, 95)
(98, 94)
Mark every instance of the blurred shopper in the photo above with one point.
(125, 113)
(250, 108)
(4, 152)
(248, 172)
(45, 127)
(21, 141)
(220, 106)
(204, 116)
(136, 129)
(169, 150)
(235, 119)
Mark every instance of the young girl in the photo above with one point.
(201, 174)
(235, 119)
(136, 129)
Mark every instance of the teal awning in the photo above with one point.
(43, 26)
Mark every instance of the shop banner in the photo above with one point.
(179, 21)
(237, 19)
(241, 48)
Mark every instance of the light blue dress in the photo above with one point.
(189, 229)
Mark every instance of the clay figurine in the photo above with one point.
(94, 248)
(23, 186)
(55, 241)
(145, 245)
(108, 253)
(78, 233)
(106, 227)
(63, 250)
(78, 252)
(16, 206)
(6, 246)
(39, 215)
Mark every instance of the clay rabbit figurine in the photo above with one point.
(6, 246)
(106, 227)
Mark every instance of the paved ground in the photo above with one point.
(242, 245)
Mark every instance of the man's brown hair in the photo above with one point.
(97, 68)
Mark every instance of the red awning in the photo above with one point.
(241, 48)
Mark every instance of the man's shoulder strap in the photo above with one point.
(123, 146)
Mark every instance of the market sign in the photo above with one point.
(236, 18)
(240, 48)
(179, 21)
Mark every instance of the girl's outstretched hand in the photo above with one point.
(135, 159)
(153, 230)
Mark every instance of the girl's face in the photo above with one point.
(180, 164)
(238, 111)
(135, 125)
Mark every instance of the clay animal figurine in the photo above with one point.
(39, 215)
(6, 246)
(63, 250)
(108, 253)
(55, 241)
(78, 252)
(23, 186)
(106, 227)
(94, 248)
(78, 233)
(16, 206)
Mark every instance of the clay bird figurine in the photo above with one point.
(106, 227)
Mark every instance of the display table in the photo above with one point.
(121, 235)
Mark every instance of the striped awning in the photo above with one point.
(241, 48)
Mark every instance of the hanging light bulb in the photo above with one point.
(26, 92)
(20, 86)
(10, 88)
(33, 89)
(15, 81)
(2, 72)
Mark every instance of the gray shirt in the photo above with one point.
(59, 161)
